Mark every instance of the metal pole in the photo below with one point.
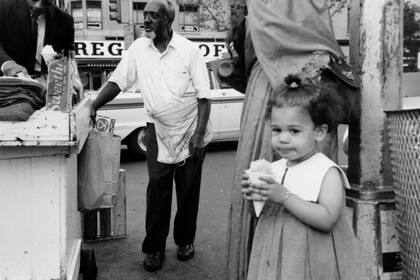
(129, 28)
(130, 12)
(376, 53)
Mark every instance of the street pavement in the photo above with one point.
(122, 259)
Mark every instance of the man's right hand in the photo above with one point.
(12, 69)
(93, 114)
(106, 94)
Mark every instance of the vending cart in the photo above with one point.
(40, 226)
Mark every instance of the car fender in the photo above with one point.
(128, 110)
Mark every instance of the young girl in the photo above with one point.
(302, 232)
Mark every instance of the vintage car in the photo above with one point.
(128, 109)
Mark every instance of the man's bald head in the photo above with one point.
(165, 7)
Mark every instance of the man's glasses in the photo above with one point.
(153, 16)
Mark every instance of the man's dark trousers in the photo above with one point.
(187, 178)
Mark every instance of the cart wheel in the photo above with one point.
(88, 266)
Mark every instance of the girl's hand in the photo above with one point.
(245, 184)
(247, 189)
(269, 190)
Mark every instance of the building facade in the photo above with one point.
(100, 40)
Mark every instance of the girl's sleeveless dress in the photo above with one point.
(284, 248)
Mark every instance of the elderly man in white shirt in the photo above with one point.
(173, 80)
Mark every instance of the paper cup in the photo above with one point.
(258, 206)
(254, 178)
(48, 57)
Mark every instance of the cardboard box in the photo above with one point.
(104, 124)
(59, 85)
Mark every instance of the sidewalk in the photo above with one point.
(122, 259)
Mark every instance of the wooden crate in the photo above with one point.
(108, 223)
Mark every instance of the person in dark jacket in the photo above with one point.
(25, 27)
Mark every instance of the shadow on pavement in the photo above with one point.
(122, 258)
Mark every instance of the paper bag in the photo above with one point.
(97, 167)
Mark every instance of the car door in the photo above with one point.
(229, 104)
(226, 110)
(215, 106)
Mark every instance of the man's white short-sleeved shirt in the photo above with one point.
(164, 78)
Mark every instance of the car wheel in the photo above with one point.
(135, 143)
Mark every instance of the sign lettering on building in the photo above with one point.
(99, 49)
(114, 49)
(211, 50)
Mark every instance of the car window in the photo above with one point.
(411, 65)
(212, 79)
(216, 83)
(223, 85)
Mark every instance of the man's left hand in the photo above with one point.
(196, 145)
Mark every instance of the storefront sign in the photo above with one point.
(114, 49)
(99, 49)
(212, 50)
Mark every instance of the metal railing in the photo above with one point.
(404, 137)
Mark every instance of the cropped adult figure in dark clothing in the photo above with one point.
(25, 27)
(282, 37)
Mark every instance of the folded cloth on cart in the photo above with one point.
(19, 98)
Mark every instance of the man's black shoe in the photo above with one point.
(185, 252)
(153, 262)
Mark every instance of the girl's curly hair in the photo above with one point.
(317, 97)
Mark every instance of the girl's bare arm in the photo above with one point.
(322, 215)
